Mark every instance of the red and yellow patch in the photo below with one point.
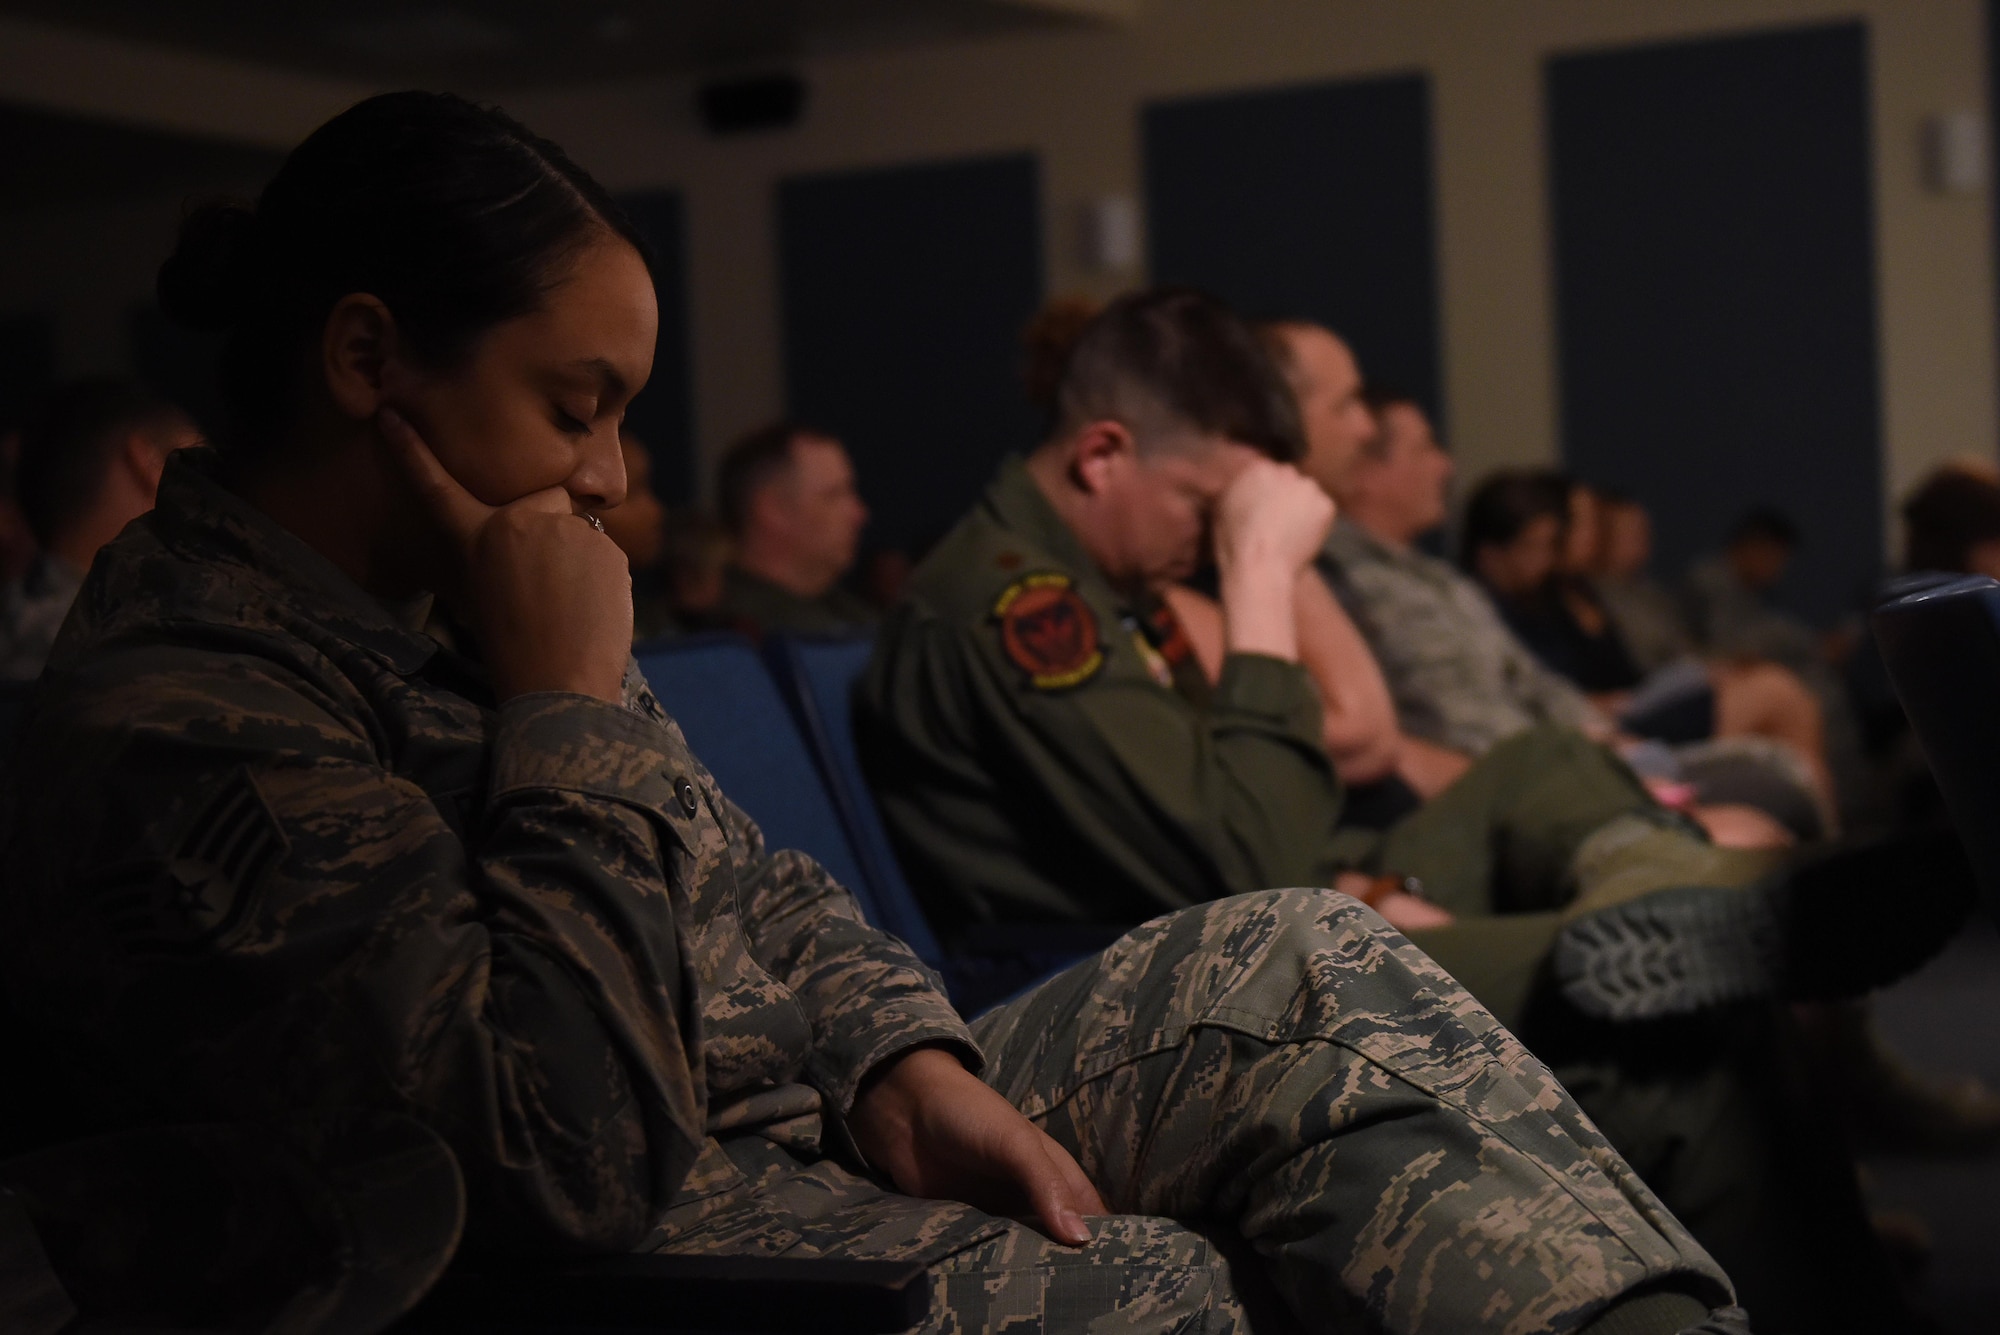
(1049, 631)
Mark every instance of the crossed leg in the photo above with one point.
(1287, 1070)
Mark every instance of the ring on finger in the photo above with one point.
(595, 522)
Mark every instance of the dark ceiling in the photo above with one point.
(494, 45)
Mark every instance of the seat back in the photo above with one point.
(819, 676)
(1941, 645)
(718, 690)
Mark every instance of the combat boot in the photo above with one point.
(1836, 925)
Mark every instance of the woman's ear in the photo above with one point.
(1098, 453)
(358, 341)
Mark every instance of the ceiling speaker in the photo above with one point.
(768, 102)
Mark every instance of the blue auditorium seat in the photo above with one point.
(992, 963)
(1941, 644)
(739, 725)
(819, 676)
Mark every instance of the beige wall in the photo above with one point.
(1073, 96)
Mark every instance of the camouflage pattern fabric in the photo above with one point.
(279, 853)
(1459, 676)
(1398, 1159)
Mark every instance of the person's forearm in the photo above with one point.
(1361, 731)
(1258, 610)
(866, 994)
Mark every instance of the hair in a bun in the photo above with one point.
(455, 216)
(205, 283)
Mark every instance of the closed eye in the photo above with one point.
(570, 424)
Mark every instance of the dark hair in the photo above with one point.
(1947, 516)
(1505, 504)
(1047, 343)
(454, 215)
(1765, 523)
(68, 443)
(752, 462)
(1172, 360)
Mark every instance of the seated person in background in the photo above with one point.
(1040, 760)
(1952, 523)
(638, 524)
(340, 868)
(1525, 537)
(1460, 678)
(1726, 597)
(1645, 611)
(788, 500)
(90, 461)
(1384, 779)
(695, 571)
(1727, 600)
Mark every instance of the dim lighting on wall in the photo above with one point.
(1955, 153)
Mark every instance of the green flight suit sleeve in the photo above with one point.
(270, 921)
(1195, 804)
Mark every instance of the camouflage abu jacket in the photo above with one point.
(271, 851)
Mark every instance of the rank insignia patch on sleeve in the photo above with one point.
(200, 891)
(1049, 631)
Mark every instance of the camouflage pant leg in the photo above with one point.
(1135, 1275)
(1288, 1068)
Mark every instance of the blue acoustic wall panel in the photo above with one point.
(905, 292)
(1313, 202)
(1716, 290)
(663, 414)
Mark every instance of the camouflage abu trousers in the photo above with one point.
(1339, 1130)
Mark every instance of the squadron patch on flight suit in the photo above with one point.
(1048, 631)
(200, 891)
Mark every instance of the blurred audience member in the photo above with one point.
(696, 570)
(1326, 382)
(1459, 676)
(788, 500)
(1952, 524)
(1525, 534)
(638, 524)
(1727, 597)
(1645, 611)
(90, 463)
(1733, 618)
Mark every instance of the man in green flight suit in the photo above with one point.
(1037, 764)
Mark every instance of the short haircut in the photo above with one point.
(1765, 523)
(753, 462)
(1171, 362)
(1505, 504)
(1950, 514)
(69, 442)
